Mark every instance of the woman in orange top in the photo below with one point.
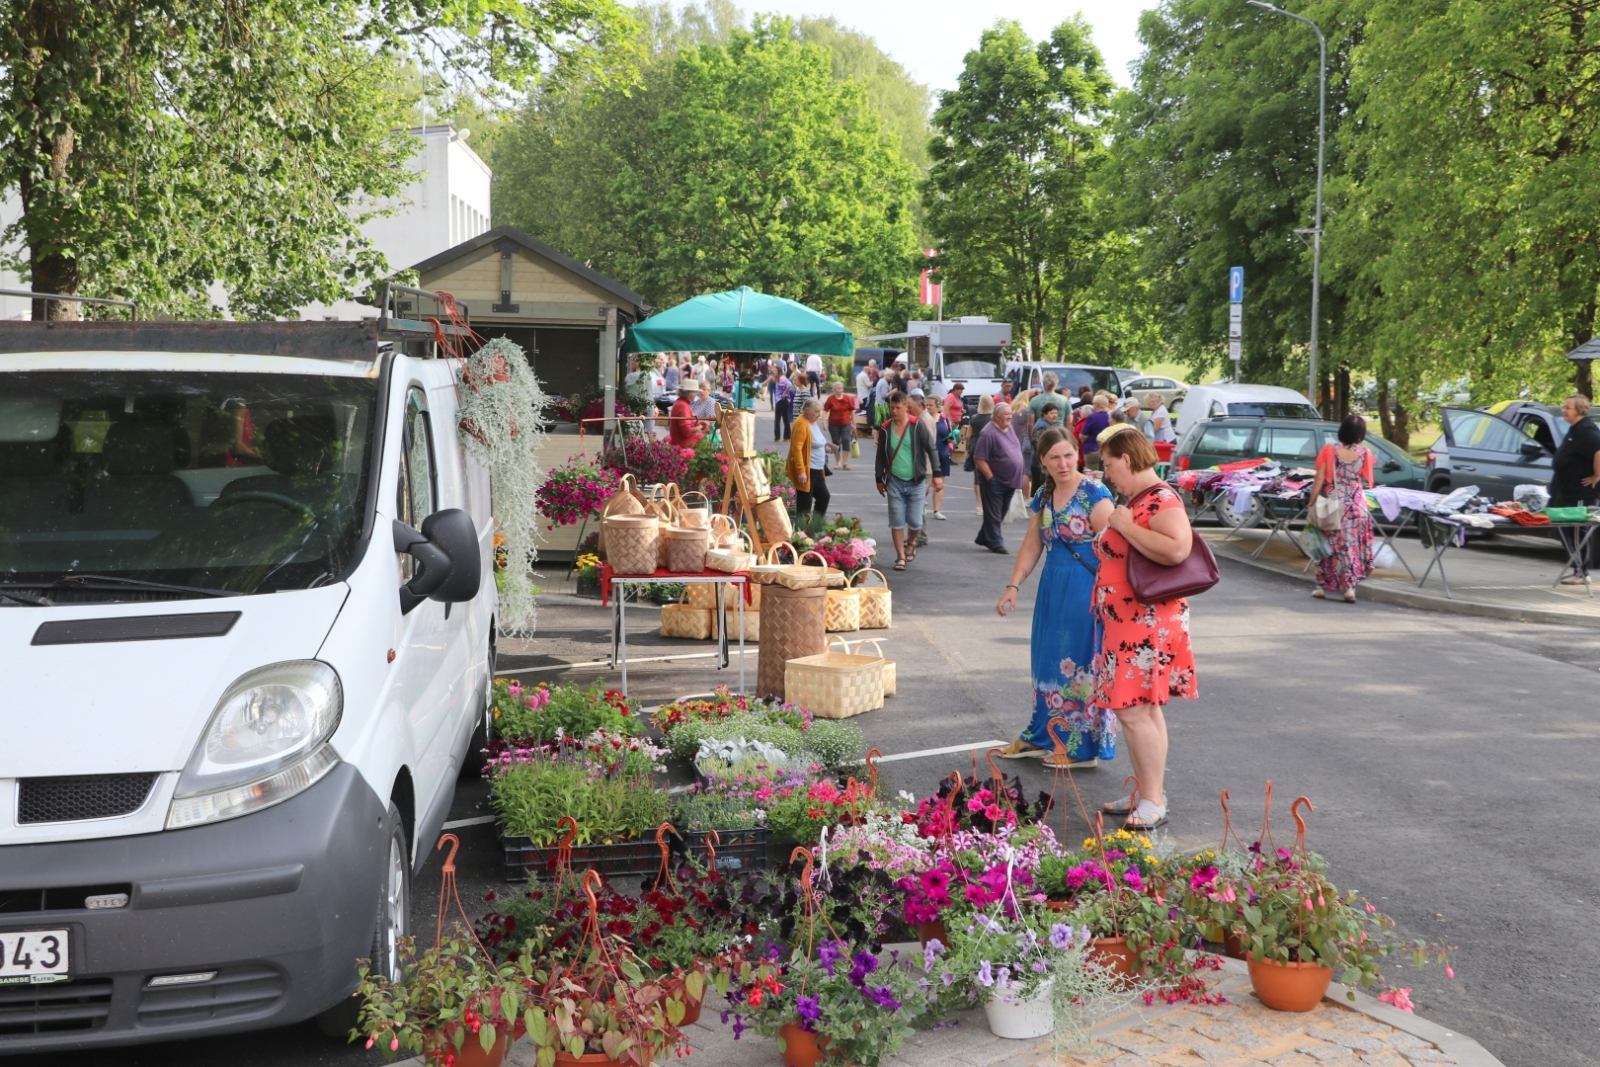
(1145, 659)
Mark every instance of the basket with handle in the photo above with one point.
(724, 530)
(757, 482)
(773, 515)
(700, 595)
(694, 516)
(682, 620)
(800, 576)
(877, 605)
(627, 500)
(843, 610)
(889, 676)
(684, 549)
(835, 685)
(738, 430)
(632, 543)
(730, 559)
(765, 571)
(662, 500)
(834, 578)
(752, 623)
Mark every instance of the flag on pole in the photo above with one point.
(930, 288)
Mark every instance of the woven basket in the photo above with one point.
(681, 620)
(700, 595)
(765, 570)
(627, 500)
(843, 610)
(834, 685)
(632, 542)
(684, 550)
(756, 480)
(773, 515)
(730, 560)
(858, 648)
(752, 624)
(738, 430)
(725, 532)
(695, 516)
(792, 625)
(835, 578)
(793, 577)
(877, 605)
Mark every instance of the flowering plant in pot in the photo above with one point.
(971, 804)
(848, 1003)
(802, 817)
(445, 998)
(575, 491)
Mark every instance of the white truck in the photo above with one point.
(969, 350)
(247, 620)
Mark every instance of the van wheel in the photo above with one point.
(1440, 484)
(393, 924)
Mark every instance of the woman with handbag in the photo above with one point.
(1066, 513)
(1345, 472)
(1145, 659)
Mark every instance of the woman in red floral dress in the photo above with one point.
(1144, 659)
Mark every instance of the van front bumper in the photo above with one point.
(280, 904)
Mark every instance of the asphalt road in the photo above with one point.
(1450, 759)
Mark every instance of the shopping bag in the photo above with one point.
(1317, 546)
(1385, 558)
(855, 449)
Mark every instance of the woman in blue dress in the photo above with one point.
(1066, 513)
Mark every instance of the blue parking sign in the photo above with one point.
(1235, 285)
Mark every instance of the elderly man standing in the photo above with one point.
(997, 455)
(905, 455)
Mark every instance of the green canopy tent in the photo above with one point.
(740, 320)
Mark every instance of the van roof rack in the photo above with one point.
(357, 340)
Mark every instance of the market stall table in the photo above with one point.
(1440, 533)
(612, 582)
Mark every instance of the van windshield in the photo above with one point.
(1272, 410)
(967, 367)
(245, 483)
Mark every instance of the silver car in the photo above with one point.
(1169, 388)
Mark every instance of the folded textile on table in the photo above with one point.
(1476, 520)
(1455, 501)
(1392, 500)
(1520, 515)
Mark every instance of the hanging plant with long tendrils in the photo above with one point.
(502, 423)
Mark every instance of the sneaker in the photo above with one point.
(939, 515)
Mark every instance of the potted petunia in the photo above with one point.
(1114, 885)
(847, 1005)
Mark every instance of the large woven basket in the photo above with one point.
(684, 550)
(877, 605)
(756, 480)
(700, 595)
(843, 610)
(681, 620)
(793, 624)
(738, 430)
(773, 515)
(632, 542)
(859, 648)
(834, 685)
(627, 500)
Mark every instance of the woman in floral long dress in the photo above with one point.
(1345, 471)
(1145, 658)
(1067, 511)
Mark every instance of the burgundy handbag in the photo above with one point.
(1154, 582)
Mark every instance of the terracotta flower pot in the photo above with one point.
(588, 1059)
(1233, 946)
(928, 931)
(1058, 905)
(691, 1008)
(801, 1048)
(1289, 986)
(471, 1053)
(1114, 954)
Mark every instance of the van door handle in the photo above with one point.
(1464, 467)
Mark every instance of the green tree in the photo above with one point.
(159, 146)
(902, 103)
(1012, 197)
(1216, 152)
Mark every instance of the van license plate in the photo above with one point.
(33, 955)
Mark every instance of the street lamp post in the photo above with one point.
(1316, 229)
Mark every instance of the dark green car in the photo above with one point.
(1292, 442)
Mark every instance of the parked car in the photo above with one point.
(1497, 452)
(1170, 389)
(1070, 377)
(1292, 442)
(1227, 398)
(237, 698)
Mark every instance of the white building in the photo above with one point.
(446, 205)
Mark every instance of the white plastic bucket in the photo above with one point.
(1012, 1017)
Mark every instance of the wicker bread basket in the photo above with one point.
(834, 578)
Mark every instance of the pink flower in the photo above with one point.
(1400, 998)
(1449, 971)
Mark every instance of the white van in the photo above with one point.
(246, 617)
(1229, 398)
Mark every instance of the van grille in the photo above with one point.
(242, 990)
(73, 798)
(55, 1006)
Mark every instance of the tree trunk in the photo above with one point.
(1341, 391)
(51, 271)
(1583, 377)
(1402, 427)
(1385, 416)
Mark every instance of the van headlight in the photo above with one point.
(266, 741)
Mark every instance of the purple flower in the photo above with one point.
(810, 1010)
(828, 954)
(1061, 936)
(1004, 976)
(985, 974)
(865, 964)
(930, 952)
(882, 996)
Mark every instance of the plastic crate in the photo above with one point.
(629, 858)
(739, 850)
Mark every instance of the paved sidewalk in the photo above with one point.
(1511, 576)
(1239, 1033)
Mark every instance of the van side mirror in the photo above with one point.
(446, 551)
(1532, 449)
(1392, 466)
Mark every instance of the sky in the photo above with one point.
(929, 37)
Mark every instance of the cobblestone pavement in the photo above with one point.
(1239, 1033)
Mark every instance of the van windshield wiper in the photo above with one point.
(104, 581)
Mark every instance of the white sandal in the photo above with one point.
(1150, 815)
